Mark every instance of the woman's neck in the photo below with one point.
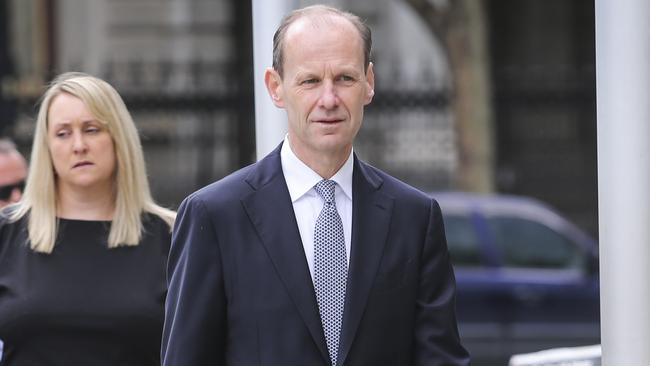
(85, 204)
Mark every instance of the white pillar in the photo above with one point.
(81, 34)
(623, 99)
(270, 122)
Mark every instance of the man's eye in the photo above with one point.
(310, 81)
(346, 78)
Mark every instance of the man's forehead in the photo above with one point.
(313, 68)
(324, 31)
(319, 22)
(12, 161)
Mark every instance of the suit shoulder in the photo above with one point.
(230, 187)
(397, 188)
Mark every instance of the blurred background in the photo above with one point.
(482, 96)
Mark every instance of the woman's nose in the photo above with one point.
(78, 142)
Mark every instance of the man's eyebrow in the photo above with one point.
(302, 74)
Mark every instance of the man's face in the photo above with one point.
(324, 87)
(13, 171)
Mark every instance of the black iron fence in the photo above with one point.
(191, 139)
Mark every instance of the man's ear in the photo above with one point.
(273, 83)
(370, 84)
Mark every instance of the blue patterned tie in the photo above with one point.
(330, 267)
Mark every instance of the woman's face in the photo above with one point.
(81, 147)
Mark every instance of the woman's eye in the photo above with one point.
(62, 133)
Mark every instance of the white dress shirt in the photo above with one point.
(307, 203)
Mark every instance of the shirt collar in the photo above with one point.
(301, 179)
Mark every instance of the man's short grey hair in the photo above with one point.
(280, 33)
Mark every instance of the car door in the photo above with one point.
(553, 295)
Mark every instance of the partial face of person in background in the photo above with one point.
(324, 86)
(81, 146)
(13, 171)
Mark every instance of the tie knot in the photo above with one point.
(325, 189)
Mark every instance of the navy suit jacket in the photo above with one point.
(240, 291)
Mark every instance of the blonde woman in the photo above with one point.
(82, 255)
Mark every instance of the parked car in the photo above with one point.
(527, 278)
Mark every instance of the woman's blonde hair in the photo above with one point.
(132, 194)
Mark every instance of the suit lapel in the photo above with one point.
(371, 214)
(270, 210)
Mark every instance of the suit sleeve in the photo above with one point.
(195, 309)
(437, 341)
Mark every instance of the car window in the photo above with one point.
(528, 244)
(462, 241)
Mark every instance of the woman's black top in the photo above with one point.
(83, 304)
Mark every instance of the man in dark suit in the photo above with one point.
(13, 171)
(311, 257)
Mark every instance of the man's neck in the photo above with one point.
(326, 163)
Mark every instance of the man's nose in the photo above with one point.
(16, 195)
(329, 98)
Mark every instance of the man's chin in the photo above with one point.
(334, 146)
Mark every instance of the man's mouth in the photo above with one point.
(329, 120)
